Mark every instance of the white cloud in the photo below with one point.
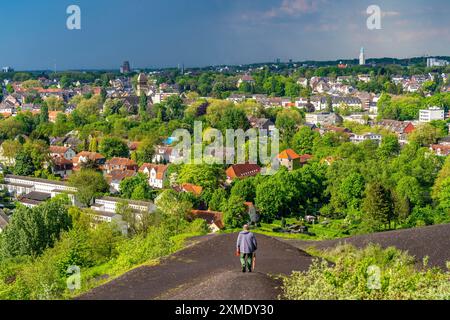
(293, 8)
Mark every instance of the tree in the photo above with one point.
(89, 184)
(425, 134)
(113, 147)
(218, 199)
(146, 149)
(93, 145)
(441, 180)
(172, 204)
(172, 108)
(244, 188)
(43, 116)
(31, 231)
(377, 205)
(277, 196)
(303, 140)
(443, 196)
(9, 88)
(143, 108)
(235, 212)
(11, 148)
(389, 147)
(24, 165)
(329, 104)
(287, 122)
(137, 222)
(234, 118)
(349, 193)
(136, 188)
(39, 152)
(206, 176)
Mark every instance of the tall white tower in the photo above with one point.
(362, 57)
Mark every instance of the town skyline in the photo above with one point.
(216, 32)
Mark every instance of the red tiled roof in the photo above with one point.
(90, 155)
(243, 170)
(119, 175)
(288, 154)
(209, 216)
(121, 162)
(305, 158)
(58, 149)
(159, 168)
(192, 188)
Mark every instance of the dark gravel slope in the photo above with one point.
(431, 241)
(210, 260)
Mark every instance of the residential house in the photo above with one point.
(115, 177)
(62, 152)
(120, 164)
(323, 118)
(440, 149)
(261, 123)
(61, 167)
(444, 141)
(360, 118)
(164, 154)
(191, 188)
(246, 78)
(401, 128)
(85, 156)
(302, 82)
(289, 159)
(133, 146)
(212, 218)
(358, 138)
(340, 102)
(240, 171)
(237, 97)
(157, 174)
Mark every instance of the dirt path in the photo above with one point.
(208, 270)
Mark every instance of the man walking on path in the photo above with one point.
(246, 246)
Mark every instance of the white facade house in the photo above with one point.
(358, 138)
(433, 113)
(156, 173)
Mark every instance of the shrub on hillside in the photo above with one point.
(349, 277)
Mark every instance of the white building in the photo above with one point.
(434, 62)
(323, 118)
(32, 192)
(358, 138)
(433, 113)
(109, 204)
(362, 57)
(156, 173)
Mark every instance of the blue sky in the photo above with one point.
(162, 33)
